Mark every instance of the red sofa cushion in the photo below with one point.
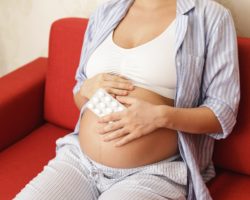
(24, 160)
(230, 186)
(65, 45)
(21, 101)
(233, 153)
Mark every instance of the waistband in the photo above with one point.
(105, 167)
(173, 168)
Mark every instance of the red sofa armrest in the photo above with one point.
(21, 101)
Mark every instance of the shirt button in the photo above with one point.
(178, 63)
(93, 172)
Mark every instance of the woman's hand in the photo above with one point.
(139, 119)
(113, 84)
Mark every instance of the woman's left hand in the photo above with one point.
(139, 119)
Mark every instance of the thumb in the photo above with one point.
(126, 99)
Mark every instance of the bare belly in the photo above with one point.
(158, 145)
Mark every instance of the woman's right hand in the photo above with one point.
(112, 83)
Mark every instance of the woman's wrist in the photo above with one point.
(163, 113)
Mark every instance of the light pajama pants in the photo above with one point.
(73, 175)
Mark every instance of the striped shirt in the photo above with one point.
(207, 74)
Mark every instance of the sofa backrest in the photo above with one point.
(233, 153)
(66, 38)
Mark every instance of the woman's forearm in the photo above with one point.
(198, 120)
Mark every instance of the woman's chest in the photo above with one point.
(141, 24)
(152, 63)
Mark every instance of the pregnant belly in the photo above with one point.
(156, 146)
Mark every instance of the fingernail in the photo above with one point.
(100, 132)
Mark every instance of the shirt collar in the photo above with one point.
(184, 6)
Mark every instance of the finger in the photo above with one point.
(111, 127)
(116, 77)
(116, 134)
(128, 138)
(116, 91)
(119, 85)
(126, 99)
(111, 117)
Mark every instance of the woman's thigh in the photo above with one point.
(143, 186)
(64, 177)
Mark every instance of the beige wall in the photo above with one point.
(240, 10)
(25, 24)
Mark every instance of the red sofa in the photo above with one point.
(37, 107)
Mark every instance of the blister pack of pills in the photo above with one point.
(102, 103)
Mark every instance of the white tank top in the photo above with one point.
(150, 65)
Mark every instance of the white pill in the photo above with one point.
(107, 98)
(91, 105)
(101, 94)
(120, 108)
(114, 104)
(102, 105)
(98, 111)
(95, 100)
(109, 110)
(103, 113)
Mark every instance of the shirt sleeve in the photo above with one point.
(80, 76)
(221, 83)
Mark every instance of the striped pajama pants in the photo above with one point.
(73, 175)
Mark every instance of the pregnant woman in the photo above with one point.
(173, 64)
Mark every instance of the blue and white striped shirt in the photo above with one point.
(207, 74)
